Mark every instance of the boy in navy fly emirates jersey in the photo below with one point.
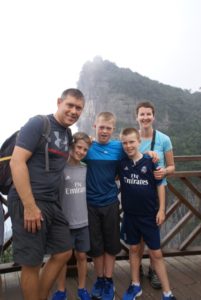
(143, 203)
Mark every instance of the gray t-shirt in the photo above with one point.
(73, 195)
(45, 184)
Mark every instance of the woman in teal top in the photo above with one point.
(160, 143)
(145, 113)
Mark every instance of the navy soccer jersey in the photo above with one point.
(138, 186)
(102, 165)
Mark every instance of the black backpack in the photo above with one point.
(6, 151)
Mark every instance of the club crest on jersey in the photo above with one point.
(144, 170)
(126, 168)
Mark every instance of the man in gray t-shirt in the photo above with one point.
(39, 226)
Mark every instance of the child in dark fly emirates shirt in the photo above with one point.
(143, 203)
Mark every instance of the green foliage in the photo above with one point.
(7, 255)
(110, 88)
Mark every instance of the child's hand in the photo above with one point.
(154, 156)
(160, 217)
(92, 138)
(160, 173)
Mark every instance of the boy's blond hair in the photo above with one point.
(107, 116)
(129, 130)
(81, 136)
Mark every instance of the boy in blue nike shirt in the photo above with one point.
(143, 203)
(103, 205)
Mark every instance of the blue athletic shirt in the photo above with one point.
(162, 145)
(102, 165)
(138, 186)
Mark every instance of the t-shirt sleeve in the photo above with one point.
(30, 134)
(167, 144)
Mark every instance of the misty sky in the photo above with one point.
(44, 44)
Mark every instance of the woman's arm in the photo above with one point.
(170, 166)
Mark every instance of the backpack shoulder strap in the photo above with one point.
(153, 140)
(69, 133)
(46, 127)
(46, 136)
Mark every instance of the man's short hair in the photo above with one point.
(74, 93)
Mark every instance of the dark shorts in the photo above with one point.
(134, 228)
(1, 251)
(80, 239)
(54, 236)
(1, 225)
(104, 229)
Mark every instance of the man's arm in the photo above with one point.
(160, 217)
(21, 180)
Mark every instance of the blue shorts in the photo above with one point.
(80, 239)
(134, 228)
